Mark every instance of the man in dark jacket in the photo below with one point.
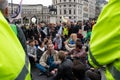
(65, 68)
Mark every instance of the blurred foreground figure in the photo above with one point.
(105, 41)
(14, 64)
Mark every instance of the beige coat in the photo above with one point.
(45, 55)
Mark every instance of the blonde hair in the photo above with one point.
(73, 36)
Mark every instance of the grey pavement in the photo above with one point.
(36, 76)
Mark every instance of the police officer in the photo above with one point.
(105, 41)
(18, 31)
(14, 64)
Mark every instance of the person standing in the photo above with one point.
(104, 43)
(12, 57)
(18, 31)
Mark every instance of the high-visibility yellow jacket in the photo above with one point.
(105, 41)
(65, 31)
(14, 64)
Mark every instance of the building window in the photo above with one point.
(74, 17)
(69, 11)
(69, 17)
(60, 0)
(60, 6)
(74, 0)
(69, 0)
(64, 0)
(64, 11)
(69, 5)
(64, 5)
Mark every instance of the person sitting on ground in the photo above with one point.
(80, 36)
(70, 43)
(49, 60)
(79, 70)
(79, 52)
(41, 49)
(93, 74)
(65, 68)
(31, 49)
(57, 42)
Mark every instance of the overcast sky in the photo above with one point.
(44, 2)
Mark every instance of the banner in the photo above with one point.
(17, 12)
(65, 19)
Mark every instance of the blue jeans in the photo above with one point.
(41, 68)
(50, 62)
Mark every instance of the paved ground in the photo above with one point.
(35, 75)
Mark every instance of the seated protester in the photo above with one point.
(49, 41)
(57, 42)
(36, 44)
(70, 43)
(78, 53)
(41, 49)
(80, 36)
(65, 68)
(79, 71)
(72, 39)
(31, 50)
(45, 42)
(67, 47)
(93, 74)
(49, 60)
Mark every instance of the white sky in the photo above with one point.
(44, 2)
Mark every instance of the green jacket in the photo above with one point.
(14, 64)
(105, 41)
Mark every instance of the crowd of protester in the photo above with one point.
(60, 50)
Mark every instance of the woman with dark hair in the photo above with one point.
(41, 49)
